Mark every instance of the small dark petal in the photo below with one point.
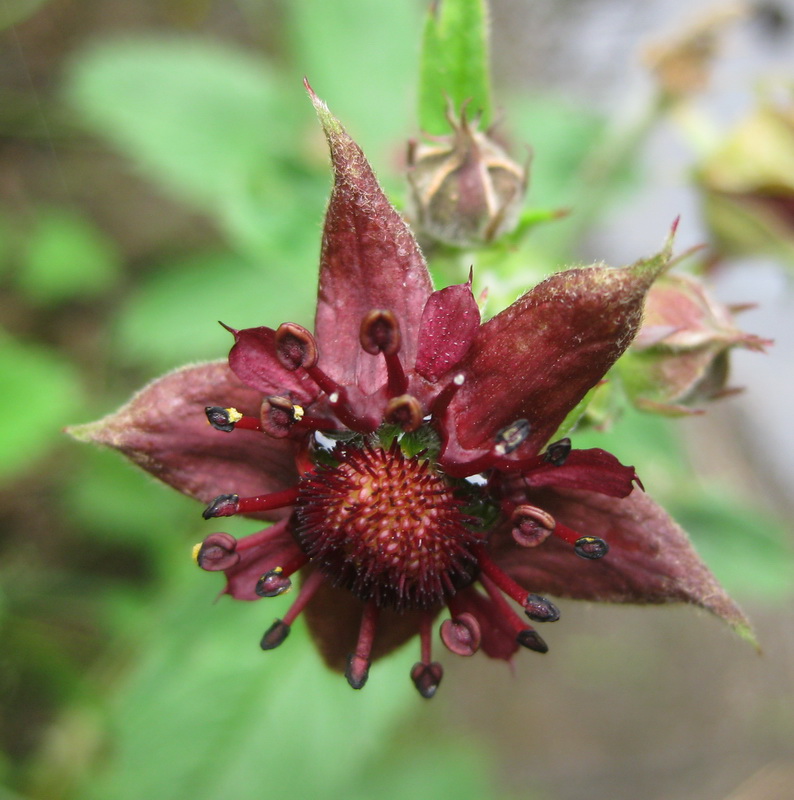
(557, 452)
(426, 678)
(532, 641)
(221, 418)
(405, 411)
(217, 552)
(224, 505)
(275, 635)
(295, 346)
(357, 671)
(539, 609)
(591, 547)
(512, 437)
(273, 583)
(277, 416)
(380, 333)
(461, 634)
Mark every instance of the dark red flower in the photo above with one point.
(402, 452)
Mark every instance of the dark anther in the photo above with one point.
(539, 609)
(278, 415)
(530, 639)
(295, 346)
(404, 411)
(217, 552)
(591, 547)
(461, 634)
(275, 635)
(531, 525)
(511, 437)
(224, 505)
(273, 583)
(557, 452)
(357, 671)
(426, 678)
(222, 419)
(380, 333)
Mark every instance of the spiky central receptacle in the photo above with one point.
(386, 526)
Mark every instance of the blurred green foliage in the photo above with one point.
(121, 678)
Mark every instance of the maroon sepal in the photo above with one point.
(164, 430)
(538, 358)
(369, 260)
(650, 559)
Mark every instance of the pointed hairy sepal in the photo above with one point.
(538, 358)
(369, 260)
(650, 558)
(454, 63)
(164, 430)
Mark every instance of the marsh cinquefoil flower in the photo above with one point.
(402, 452)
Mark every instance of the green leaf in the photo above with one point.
(203, 119)
(360, 57)
(172, 318)
(42, 392)
(207, 715)
(454, 63)
(65, 257)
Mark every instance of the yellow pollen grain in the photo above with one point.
(196, 551)
(234, 415)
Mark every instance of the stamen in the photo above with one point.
(275, 635)
(279, 630)
(222, 419)
(226, 505)
(404, 411)
(558, 452)
(277, 415)
(512, 437)
(530, 639)
(276, 581)
(461, 634)
(427, 678)
(526, 635)
(531, 525)
(358, 662)
(217, 552)
(228, 419)
(591, 547)
(584, 546)
(295, 347)
(380, 333)
(444, 397)
(537, 608)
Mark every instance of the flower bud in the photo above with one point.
(681, 354)
(747, 185)
(464, 189)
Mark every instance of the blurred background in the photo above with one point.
(160, 169)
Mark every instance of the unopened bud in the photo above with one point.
(465, 189)
(681, 355)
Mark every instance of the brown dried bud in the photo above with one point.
(465, 189)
